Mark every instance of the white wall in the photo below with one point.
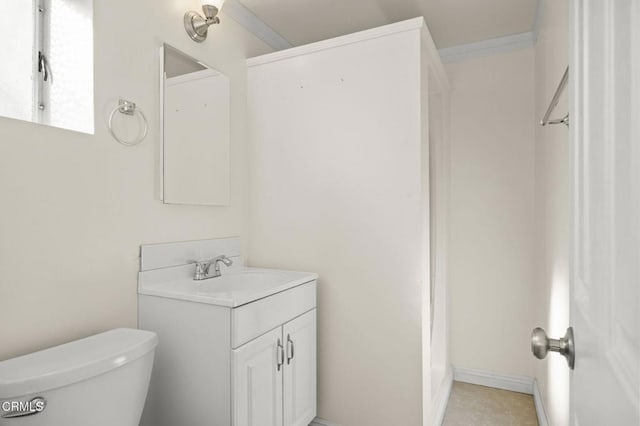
(492, 212)
(76, 207)
(553, 203)
(336, 188)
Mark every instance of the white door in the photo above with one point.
(257, 381)
(605, 136)
(300, 370)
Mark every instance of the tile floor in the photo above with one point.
(473, 405)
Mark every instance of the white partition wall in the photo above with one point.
(339, 175)
(440, 369)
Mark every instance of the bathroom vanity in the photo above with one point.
(238, 349)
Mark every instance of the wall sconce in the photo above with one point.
(198, 26)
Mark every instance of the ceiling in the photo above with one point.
(451, 22)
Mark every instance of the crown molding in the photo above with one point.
(487, 47)
(245, 17)
(536, 22)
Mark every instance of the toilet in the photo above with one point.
(101, 380)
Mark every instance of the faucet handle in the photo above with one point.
(202, 268)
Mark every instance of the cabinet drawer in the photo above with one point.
(253, 319)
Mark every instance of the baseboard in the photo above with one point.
(439, 407)
(513, 383)
(539, 403)
(322, 422)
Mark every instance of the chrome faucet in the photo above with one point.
(203, 267)
(216, 264)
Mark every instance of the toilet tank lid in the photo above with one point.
(73, 362)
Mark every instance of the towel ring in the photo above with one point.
(128, 108)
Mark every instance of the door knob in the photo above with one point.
(541, 345)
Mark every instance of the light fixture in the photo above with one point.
(196, 25)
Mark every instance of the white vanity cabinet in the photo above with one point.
(300, 370)
(252, 364)
(274, 376)
(257, 381)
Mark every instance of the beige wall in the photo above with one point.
(76, 207)
(492, 195)
(553, 201)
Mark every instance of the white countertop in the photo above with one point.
(235, 287)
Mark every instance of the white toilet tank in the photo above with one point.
(98, 381)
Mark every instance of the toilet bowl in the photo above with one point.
(101, 380)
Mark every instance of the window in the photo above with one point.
(47, 74)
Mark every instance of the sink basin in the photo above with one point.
(232, 289)
(243, 282)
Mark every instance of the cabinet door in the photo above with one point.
(300, 370)
(257, 381)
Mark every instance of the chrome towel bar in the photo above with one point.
(556, 97)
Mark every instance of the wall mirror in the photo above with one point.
(46, 75)
(195, 131)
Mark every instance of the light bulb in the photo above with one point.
(217, 3)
